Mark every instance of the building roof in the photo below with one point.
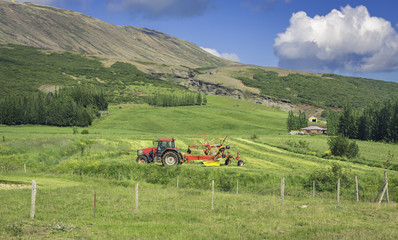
(314, 128)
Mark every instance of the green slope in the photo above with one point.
(26, 69)
(220, 116)
(319, 90)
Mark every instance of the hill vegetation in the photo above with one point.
(26, 70)
(327, 90)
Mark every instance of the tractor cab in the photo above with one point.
(163, 144)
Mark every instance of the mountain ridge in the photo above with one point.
(60, 29)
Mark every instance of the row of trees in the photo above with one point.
(296, 122)
(376, 122)
(173, 100)
(69, 107)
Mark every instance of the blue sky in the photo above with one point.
(349, 37)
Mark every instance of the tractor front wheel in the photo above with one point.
(170, 159)
(240, 163)
(142, 159)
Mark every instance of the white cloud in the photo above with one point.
(349, 40)
(154, 9)
(229, 56)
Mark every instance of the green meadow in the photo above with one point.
(69, 166)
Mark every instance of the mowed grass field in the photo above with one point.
(75, 165)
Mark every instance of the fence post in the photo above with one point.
(338, 191)
(313, 189)
(136, 198)
(118, 177)
(386, 181)
(33, 200)
(212, 194)
(282, 189)
(237, 186)
(24, 167)
(384, 191)
(356, 188)
(178, 180)
(95, 201)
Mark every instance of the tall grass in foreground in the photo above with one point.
(171, 213)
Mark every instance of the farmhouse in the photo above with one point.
(314, 130)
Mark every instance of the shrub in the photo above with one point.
(340, 146)
(326, 178)
(85, 131)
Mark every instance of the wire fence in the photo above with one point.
(136, 199)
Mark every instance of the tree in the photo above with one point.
(340, 146)
(332, 122)
(290, 121)
(347, 124)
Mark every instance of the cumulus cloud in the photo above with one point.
(349, 40)
(229, 56)
(154, 9)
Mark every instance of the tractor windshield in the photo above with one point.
(164, 145)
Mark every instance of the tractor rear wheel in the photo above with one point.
(142, 159)
(227, 161)
(240, 163)
(170, 159)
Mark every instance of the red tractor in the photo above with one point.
(169, 155)
(165, 152)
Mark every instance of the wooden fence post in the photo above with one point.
(95, 201)
(313, 189)
(33, 200)
(282, 189)
(118, 177)
(384, 191)
(338, 191)
(178, 180)
(212, 194)
(356, 188)
(24, 167)
(386, 181)
(136, 198)
(237, 186)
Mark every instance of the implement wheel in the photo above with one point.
(227, 161)
(170, 159)
(240, 163)
(142, 159)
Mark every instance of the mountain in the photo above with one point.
(60, 29)
(71, 49)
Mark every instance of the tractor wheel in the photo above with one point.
(227, 161)
(240, 163)
(170, 159)
(142, 159)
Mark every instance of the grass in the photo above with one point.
(375, 152)
(65, 212)
(220, 116)
(65, 201)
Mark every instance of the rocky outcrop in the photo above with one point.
(217, 89)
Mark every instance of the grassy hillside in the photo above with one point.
(77, 164)
(326, 90)
(26, 69)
